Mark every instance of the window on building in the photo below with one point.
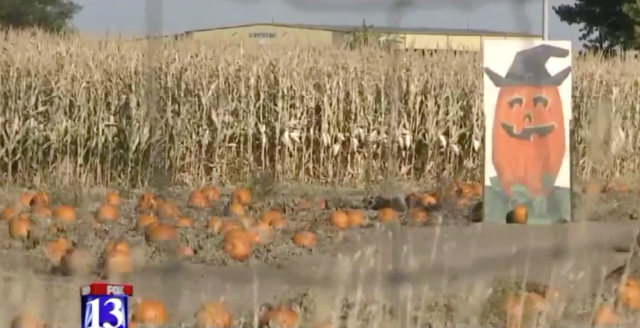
(262, 35)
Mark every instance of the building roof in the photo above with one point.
(382, 29)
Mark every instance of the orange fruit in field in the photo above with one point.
(281, 316)
(64, 214)
(235, 209)
(428, 200)
(197, 199)
(149, 311)
(25, 320)
(271, 215)
(167, 209)
(25, 198)
(144, 220)
(214, 224)
(228, 225)
(184, 222)
(213, 314)
(241, 196)
(304, 239)
(260, 233)
(419, 215)
(106, 214)
(158, 232)
(236, 233)
(518, 215)
(211, 193)
(247, 221)
(40, 199)
(8, 213)
(118, 245)
(55, 249)
(112, 198)
(629, 293)
(355, 218)
(41, 213)
(146, 202)
(339, 220)
(119, 262)
(238, 248)
(185, 250)
(606, 316)
(19, 227)
(386, 215)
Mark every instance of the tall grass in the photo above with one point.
(78, 110)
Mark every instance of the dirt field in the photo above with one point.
(384, 275)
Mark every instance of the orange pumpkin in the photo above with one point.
(157, 232)
(386, 215)
(40, 199)
(235, 209)
(282, 316)
(518, 215)
(55, 249)
(19, 227)
(355, 218)
(120, 245)
(238, 248)
(9, 212)
(184, 222)
(64, 214)
(148, 311)
(261, 233)
(528, 119)
(147, 202)
(214, 224)
(198, 200)
(211, 193)
(213, 314)
(25, 198)
(26, 320)
(145, 220)
(339, 220)
(304, 239)
(167, 209)
(185, 251)
(272, 215)
(42, 213)
(119, 262)
(606, 316)
(419, 215)
(241, 196)
(107, 214)
(112, 198)
(629, 293)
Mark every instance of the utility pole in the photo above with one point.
(545, 19)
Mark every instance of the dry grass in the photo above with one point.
(80, 108)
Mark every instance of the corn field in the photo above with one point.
(110, 113)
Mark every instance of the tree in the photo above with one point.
(606, 25)
(368, 35)
(51, 15)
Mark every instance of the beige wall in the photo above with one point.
(455, 42)
(286, 35)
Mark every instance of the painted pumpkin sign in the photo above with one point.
(528, 112)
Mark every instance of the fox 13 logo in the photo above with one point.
(105, 311)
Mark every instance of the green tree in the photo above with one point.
(51, 15)
(605, 25)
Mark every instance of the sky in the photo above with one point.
(128, 17)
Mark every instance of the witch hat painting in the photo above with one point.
(528, 112)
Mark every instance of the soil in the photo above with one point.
(394, 264)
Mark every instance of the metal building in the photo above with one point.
(333, 35)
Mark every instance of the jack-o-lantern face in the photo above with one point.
(528, 137)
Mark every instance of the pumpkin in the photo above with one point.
(118, 245)
(19, 227)
(148, 311)
(241, 196)
(521, 306)
(55, 250)
(339, 220)
(25, 198)
(272, 215)
(40, 199)
(9, 212)
(42, 213)
(107, 214)
(629, 293)
(518, 215)
(147, 202)
(606, 316)
(118, 262)
(214, 224)
(234, 209)
(261, 233)
(111, 198)
(185, 251)
(158, 232)
(198, 200)
(76, 261)
(237, 233)
(184, 222)
(419, 215)
(211, 193)
(64, 214)
(386, 215)
(282, 316)
(25, 320)
(355, 218)
(213, 315)
(238, 248)
(247, 222)
(145, 220)
(528, 119)
(304, 239)
(167, 209)
(229, 225)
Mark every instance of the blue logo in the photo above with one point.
(105, 312)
